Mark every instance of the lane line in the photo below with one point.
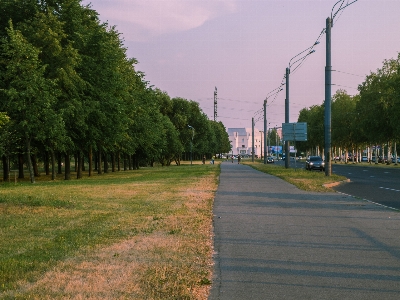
(385, 188)
(385, 206)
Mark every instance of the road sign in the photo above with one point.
(294, 131)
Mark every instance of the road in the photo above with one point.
(377, 184)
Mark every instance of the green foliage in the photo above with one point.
(368, 118)
(68, 86)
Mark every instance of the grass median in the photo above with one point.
(303, 179)
(144, 234)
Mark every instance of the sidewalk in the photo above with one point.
(274, 241)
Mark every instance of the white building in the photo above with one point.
(241, 141)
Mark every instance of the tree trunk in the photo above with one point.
(35, 166)
(112, 161)
(53, 165)
(79, 165)
(83, 161)
(46, 163)
(99, 171)
(135, 162)
(130, 161)
(90, 157)
(28, 155)
(76, 162)
(67, 170)
(96, 161)
(125, 162)
(20, 166)
(6, 170)
(59, 161)
(105, 163)
(119, 161)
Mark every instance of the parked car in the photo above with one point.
(270, 160)
(364, 159)
(315, 163)
(394, 159)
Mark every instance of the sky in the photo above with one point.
(243, 47)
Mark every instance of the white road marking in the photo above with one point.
(389, 189)
(376, 203)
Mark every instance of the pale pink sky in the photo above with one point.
(187, 47)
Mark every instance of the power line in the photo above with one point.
(348, 73)
(340, 9)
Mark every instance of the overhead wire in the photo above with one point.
(340, 9)
(301, 61)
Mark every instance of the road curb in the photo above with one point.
(332, 184)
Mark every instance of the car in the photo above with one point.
(394, 159)
(270, 160)
(315, 163)
(364, 159)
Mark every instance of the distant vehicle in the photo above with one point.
(315, 163)
(364, 159)
(270, 160)
(394, 159)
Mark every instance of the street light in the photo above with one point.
(328, 85)
(261, 132)
(310, 51)
(191, 145)
(274, 92)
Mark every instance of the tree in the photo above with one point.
(28, 97)
(314, 117)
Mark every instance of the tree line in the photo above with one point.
(369, 119)
(67, 88)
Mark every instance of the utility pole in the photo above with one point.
(328, 102)
(215, 104)
(252, 139)
(265, 131)
(287, 144)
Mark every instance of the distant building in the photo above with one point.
(241, 141)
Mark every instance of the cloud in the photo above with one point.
(143, 19)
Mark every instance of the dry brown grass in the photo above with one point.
(170, 258)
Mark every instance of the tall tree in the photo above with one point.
(28, 97)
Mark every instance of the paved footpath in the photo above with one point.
(274, 241)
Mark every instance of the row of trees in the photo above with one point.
(68, 88)
(370, 118)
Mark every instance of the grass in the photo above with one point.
(143, 234)
(303, 179)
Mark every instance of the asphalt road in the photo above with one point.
(377, 184)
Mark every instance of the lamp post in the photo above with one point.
(252, 139)
(191, 145)
(274, 92)
(328, 100)
(261, 134)
(328, 87)
(310, 51)
(265, 131)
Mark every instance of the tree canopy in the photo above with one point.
(68, 87)
(368, 118)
